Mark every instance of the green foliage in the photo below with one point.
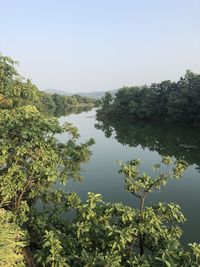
(52, 246)
(7, 71)
(64, 231)
(11, 241)
(169, 101)
(13, 89)
(32, 160)
(112, 234)
(106, 100)
(142, 184)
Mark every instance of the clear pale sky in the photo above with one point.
(91, 45)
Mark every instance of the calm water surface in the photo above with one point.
(126, 140)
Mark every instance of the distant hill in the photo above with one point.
(94, 95)
(98, 94)
(55, 91)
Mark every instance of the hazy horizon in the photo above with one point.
(86, 46)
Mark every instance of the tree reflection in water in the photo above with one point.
(179, 141)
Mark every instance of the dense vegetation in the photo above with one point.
(41, 224)
(165, 101)
(31, 158)
(12, 240)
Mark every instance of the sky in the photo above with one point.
(99, 45)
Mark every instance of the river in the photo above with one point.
(126, 140)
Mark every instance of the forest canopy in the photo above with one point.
(166, 101)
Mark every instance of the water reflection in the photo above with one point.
(127, 140)
(67, 110)
(167, 139)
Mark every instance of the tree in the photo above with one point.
(106, 100)
(112, 234)
(168, 101)
(32, 160)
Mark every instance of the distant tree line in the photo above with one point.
(56, 104)
(167, 101)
